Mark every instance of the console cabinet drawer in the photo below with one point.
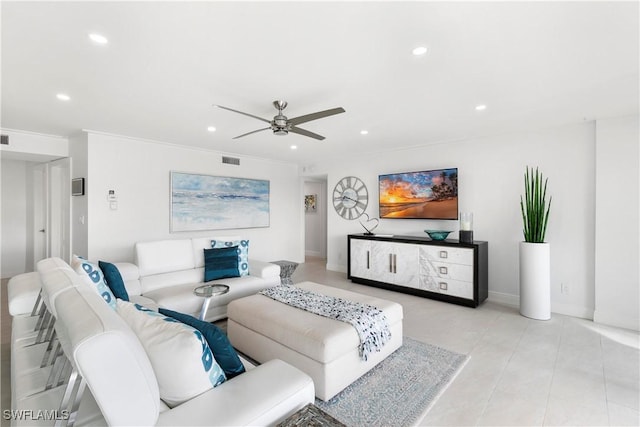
(447, 254)
(451, 287)
(446, 270)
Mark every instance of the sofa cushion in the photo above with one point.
(181, 298)
(220, 263)
(93, 276)
(23, 291)
(180, 355)
(171, 279)
(242, 251)
(223, 351)
(164, 256)
(130, 276)
(113, 279)
(263, 396)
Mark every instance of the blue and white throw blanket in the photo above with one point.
(370, 322)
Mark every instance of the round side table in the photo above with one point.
(207, 292)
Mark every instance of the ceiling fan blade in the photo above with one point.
(303, 132)
(314, 116)
(249, 133)
(240, 112)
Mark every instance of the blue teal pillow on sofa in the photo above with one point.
(242, 249)
(114, 280)
(223, 351)
(220, 263)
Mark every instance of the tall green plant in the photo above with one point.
(535, 208)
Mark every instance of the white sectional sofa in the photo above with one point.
(99, 346)
(122, 387)
(167, 271)
(164, 274)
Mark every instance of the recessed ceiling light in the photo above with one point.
(211, 129)
(364, 132)
(420, 50)
(63, 97)
(100, 39)
(481, 107)
(294, 147)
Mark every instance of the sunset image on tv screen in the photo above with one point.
(428, 194)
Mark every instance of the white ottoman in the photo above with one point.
(325, 349)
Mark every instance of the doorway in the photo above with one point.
(50, 228)
(315, 217)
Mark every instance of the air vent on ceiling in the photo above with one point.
(4, 139)
(231, 160)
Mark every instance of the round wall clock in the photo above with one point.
(350, 197)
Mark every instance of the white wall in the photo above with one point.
(13, 175)
(490, 174)
(315, 223)
(78, 151)
(32, 146)
(617, 279)
(139, 173)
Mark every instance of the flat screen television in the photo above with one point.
(431, 194)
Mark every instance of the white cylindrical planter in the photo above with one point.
(535, 280)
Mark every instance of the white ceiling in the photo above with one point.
(534, 64)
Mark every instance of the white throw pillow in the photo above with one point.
(94, 277)
(181, 358)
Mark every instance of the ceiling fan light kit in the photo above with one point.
(281, 125)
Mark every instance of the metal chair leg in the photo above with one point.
(71, 399)
(47, 353)
(73, 414)
(37, 304)
(48, 318)
(41, 314)
(53, 374)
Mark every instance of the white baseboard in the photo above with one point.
(566, 309)
(572, 310)
(615, 319)
(337, 267)
(505, 299)
(313, 253)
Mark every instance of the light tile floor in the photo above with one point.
(565, 371)
(522, 372)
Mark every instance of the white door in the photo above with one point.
(40, 217)
(60, 209)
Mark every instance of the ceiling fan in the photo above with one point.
(281, 125)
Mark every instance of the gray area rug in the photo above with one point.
(400, 390)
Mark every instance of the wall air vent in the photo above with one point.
(231, 160)
(4, 139)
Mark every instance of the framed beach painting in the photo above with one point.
(207, 202)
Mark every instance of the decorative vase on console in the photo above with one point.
(466, 227)
(535, 253)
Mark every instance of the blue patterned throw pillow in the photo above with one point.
(93, 275)
(180, 355)
(242, 251)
